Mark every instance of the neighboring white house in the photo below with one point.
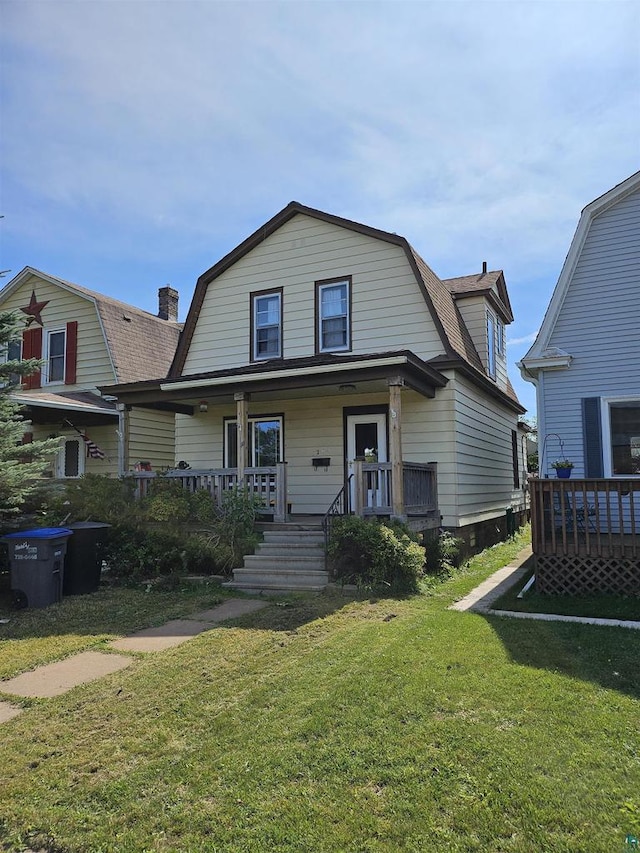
(85, 340)
(585, 362)
(330, 349)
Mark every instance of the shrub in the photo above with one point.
(373, 555)
(441, 551)
(147, 537)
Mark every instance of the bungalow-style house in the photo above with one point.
(585, 364)
(330, 369)
(85, 340)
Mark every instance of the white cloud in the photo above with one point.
(527, 339)
(148, 130)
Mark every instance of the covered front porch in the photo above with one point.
(310, 437)
(369, 491)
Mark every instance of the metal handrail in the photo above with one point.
(339, 507)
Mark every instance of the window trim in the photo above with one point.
(346, 280)
(259, 294)
(46, 356)
(607, 448)
(252, 419)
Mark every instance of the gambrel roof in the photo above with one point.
(440, 296)
(141, 345)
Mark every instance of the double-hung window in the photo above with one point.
(266, 325)
(624, 428)
(500, 336)
(54, 355)
(11, 352)
(264, 442)
(491, 345)
(333, 313)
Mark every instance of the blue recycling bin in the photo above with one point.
(36, 560)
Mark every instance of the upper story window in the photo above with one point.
(54, 356)
(266, 325)
(500, 336)
(491, 345)
(333, 312)
(11, 352)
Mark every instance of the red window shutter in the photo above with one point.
(71, 353)
(32, 348)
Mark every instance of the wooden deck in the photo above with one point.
(586, 535)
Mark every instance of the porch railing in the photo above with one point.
(268, 484)
(373, 492)
(587, 518)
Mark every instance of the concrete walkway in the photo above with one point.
(56, 678)
(482, 598)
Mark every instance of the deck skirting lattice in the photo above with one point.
(574, 574)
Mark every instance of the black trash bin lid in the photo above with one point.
(40, 533)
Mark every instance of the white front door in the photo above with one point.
(365, 432)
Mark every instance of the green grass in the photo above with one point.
(333, 724)
(36, 636)
(600, 606)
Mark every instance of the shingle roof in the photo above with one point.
(455, 329)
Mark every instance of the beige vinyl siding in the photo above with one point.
(105, 437)
(388, 309)
(598, 324)
(484, 459)
(152, 438)
(94, 366)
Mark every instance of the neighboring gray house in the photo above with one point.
(585, 362)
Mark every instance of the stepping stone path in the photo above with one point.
(56, 678)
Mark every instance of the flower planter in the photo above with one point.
(563, 473)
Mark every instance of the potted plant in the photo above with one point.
(370, 454)
(562, 468)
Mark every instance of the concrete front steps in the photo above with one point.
(290, 559)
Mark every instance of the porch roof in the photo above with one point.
(283, 375)
(45, 407)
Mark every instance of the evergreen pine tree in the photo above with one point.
(21, 465)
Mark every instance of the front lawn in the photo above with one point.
(599, 606)
(325, 724)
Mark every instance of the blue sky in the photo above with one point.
(142, 140)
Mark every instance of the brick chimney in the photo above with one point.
(168, 303)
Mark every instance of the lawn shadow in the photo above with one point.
(607, 656)
(119, 611)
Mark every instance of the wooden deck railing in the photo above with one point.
(269, 484)
(586, 518)
(373, 493)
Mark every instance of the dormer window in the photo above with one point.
(333, 312)
(491, 345)
(266, 325)
(500, 336)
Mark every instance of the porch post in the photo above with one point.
(358, 488)
(123, 439)
(395, 446)
(242, 399)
